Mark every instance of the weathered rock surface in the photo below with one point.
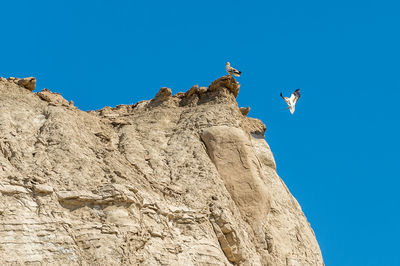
(27, 83)
(244, 110)
(53, 98)
(183, 179)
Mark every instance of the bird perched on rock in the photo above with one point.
(231, 70)
(292, 100)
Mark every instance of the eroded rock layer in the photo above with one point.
(183, 179)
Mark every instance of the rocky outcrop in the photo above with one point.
(227, 82)
(244, 110)
(184, 179)
(53, 98)
(27, 83)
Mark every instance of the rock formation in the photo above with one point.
(184, 179)
(27, 83)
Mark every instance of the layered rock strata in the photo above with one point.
(184, 179)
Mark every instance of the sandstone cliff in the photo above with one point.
(183, 179)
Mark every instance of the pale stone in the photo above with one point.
(10, 189)
(43, 188)
(185, 180)
(28, 83)
(164, 94)
(203, 90)
(53, 98)
(193, 90)
(228, 82)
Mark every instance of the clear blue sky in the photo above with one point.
(338, 153)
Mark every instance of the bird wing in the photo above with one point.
(237, 74)
(287, 100)
(295, 96)
(234, 71)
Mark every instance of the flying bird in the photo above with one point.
(231, 70)
(292, 100)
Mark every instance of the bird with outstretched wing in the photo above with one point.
(291, 102)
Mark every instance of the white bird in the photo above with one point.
(292, 100)
(231, 70)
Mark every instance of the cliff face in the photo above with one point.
(178, 180)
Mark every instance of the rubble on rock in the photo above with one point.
(27, 83)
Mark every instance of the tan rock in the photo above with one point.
(163, 94)
(28, 83)
(231, 151)
(162, 98)
(51, 97)
(43, 189)
(185, 180)
(10, 189)
(179, 95)
(244, 110)
(227, 82)
(192, 90)
(253, 126)
(203, 90)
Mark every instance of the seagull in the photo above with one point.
(231, 70)
(292, 100)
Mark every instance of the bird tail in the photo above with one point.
(237, 73)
